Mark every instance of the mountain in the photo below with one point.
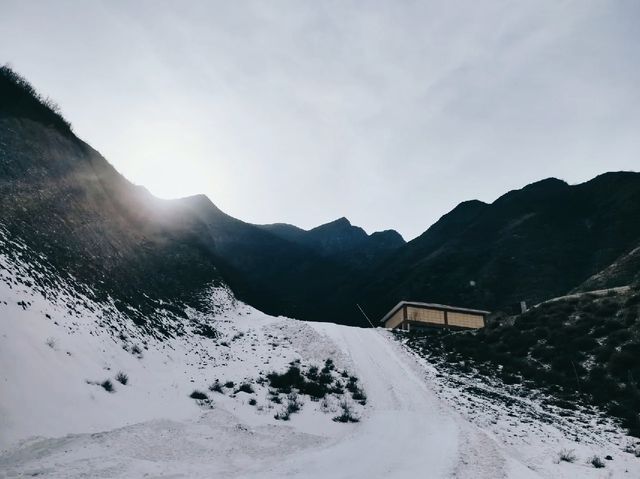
(529, 245)
(154, 257)
(263, 397)
(340, 239)
(150, 256)
(67, 203)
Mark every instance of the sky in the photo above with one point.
(387, 112)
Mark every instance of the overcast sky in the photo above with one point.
(389, 113)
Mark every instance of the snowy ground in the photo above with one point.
(57, 421)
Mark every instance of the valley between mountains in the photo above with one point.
(142, 337)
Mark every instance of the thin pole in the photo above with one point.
(365, 315)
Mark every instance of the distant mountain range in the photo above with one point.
(67, 203)
(532, 244)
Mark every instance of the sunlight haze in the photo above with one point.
(388, 113)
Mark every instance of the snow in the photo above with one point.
(56, 421)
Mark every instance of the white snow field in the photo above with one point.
(57, 421)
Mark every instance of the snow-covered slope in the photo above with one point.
(56, 420)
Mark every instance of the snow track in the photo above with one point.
(407, 431)
(404, 431)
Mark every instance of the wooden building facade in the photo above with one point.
(409, 315)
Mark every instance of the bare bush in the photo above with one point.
(122, 378)
(567, 455)
(107, 385)
(596, 462)
(347, 414)
(198, 395)
(216, 387)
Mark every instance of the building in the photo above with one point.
(408, 315)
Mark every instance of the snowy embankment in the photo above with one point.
(58, 420)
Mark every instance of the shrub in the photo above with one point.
(596, 462)
(216, 387)
(245, 388)
(352, 385)
(337, 388)
(51, 342)
(136, 349)
(282, 415)
(316, 390)
(292, 378)
(567, 455)
(122, 378)
(510, 379)
(229, 384)
(199, 395)
(357, 393)
(206, 331)
(328, 366)
(347, 414)
(621, 362)
(325, 406)
(19, 96)
(107, 385)
(293, 403)
(253, 402)
(312, 374)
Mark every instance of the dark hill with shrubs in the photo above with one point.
(533, 244)
(153, 257)
(582, 349)
(69, 204)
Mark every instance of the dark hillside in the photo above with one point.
(68, 203)
(65, 201)
(578, 349)
(529, 245)
(19, 99)
(340, 240)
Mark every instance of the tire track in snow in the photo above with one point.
(427, 435)
(404, 431)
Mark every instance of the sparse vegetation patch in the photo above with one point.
(246, 388)
(346, 414)
(596, 462)
(216, 387)
(122, 378)
(578, 351)
(107, 385)
(199, 395)
(567, 455)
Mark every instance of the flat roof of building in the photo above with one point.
(441, 307)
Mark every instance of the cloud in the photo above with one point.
(389, 113)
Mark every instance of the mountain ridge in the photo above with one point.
(65, 199)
